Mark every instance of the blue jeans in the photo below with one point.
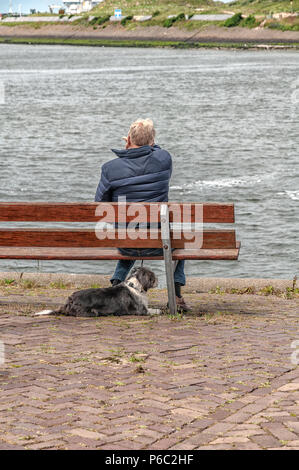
(124, 266)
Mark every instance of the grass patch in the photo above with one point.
(217, 290)
(99, 20)
(245, 290)
(29, 284)
(267, 290)
(233, 21)
(163, 8)
(135, 43)
(288, 293)
(58, 285)
(7, 282)
(136, 358)
(291, 24)
(170, 21)
(249, 22)
(126, 19)
(177, 317)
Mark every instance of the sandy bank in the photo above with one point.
(211, 33)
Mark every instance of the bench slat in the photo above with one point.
(48, 253)
(217, 239)
(86, 212)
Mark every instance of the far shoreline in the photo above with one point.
(152, 36)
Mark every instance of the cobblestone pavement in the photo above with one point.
(221, 378)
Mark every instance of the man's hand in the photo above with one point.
(126, 140)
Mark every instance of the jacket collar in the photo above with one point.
(135, 152)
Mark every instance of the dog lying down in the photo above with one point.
(127, 298)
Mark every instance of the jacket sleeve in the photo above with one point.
(170, 167)
(157, 147)
(103, 193)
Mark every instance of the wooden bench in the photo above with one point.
(97, 243)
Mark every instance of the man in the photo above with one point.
(141, 173)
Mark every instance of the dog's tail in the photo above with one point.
(47, 312)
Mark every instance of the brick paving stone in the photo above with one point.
(245, 432)
(5, 446)
(292, 425)
(115, 446)
(163, 444)
(183, 446)
(129, 445)
(46, 445)
(294, 444)
(211, 381)
(239, 417)
(199, 439)
(215, 447)
(289, 387)
(86, 434)
(265, 441)
(187, 412)
(230, 440)
(280, 431)
(218, 428)
(247, 446)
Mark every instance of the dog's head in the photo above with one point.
(145, 277)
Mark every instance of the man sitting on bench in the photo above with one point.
(141, 174)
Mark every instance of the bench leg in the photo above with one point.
(170, 282)
(169, 268)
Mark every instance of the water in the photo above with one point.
(229, 118)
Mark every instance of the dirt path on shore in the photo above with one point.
(117, 32)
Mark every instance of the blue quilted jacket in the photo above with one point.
(140, 174)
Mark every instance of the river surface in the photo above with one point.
(229, 119)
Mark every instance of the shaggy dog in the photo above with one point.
(127, 298)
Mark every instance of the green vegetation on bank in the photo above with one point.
(283, 25)
(237, 20)
(263, 7)
(165, 7)
(246, 13)
(136, 43)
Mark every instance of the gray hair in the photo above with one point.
(142, 132)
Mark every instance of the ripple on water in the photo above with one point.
(224, 116)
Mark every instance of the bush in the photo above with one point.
(181, 16)
(93, 21)
(103, 19)
(126, 19)
(233, 21)
(156, 13)
(249, 22)
(274, 25)
(283, 26)
(170, 21)
(99, 20)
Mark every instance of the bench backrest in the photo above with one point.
(114, 213)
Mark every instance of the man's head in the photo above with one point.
(142, 132)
